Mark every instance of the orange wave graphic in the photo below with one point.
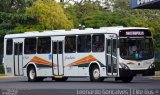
(84, 60)
(39, 60)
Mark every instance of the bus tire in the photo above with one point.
(31, 74)
(95, 74)
(127, 79)
(61, 79)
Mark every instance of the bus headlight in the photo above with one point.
(124, 66)
(152, 66)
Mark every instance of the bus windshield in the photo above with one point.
(136, 48)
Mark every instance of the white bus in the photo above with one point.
(108, 52)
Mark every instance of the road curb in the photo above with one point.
(155, 77)
(7, 77)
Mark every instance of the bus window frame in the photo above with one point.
(75, 43)
(90, 43)
(35, 45)
(7, 47)
(136, 38)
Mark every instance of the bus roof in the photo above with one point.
(114, 30)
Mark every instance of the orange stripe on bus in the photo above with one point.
(39, 60)
(84, 60)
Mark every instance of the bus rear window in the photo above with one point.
(9, 47)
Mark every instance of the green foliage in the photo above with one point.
(50, 15)
(1, 69)
(157, 65)
(79, 11)
(14, 6)
(47, 14)
(71, 13)
(86, 9)
(91, 15)
(40, 16)
(11, 21)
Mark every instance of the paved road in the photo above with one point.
(76, 83)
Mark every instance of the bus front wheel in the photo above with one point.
(32, 76)
(95, 74)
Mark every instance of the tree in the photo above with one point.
(12, 15)
(50, 15)
(79, 11)
(92, 15)
(14, 6)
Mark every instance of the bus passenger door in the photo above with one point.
(57, 57)
(111, 55)
(18, 58)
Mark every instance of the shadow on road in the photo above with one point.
(77, 80)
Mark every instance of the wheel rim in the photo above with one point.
(32, 74)
(96, 73)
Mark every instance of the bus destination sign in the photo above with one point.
(133, 33)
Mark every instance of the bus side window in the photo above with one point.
(30, 46)
(84, 43)
(114, 47)
(54, 48)
(98, 43)
(109, 46)
(9, 46)
(44, 45)
(70, 44)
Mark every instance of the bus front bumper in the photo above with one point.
(128, 73)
